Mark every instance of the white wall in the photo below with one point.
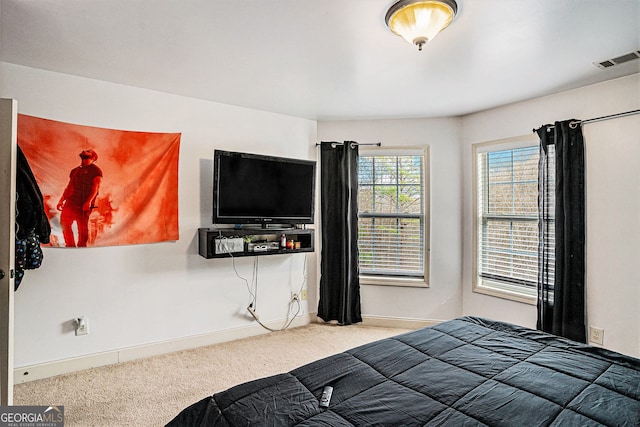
(141, 294)
(442, 300)
(613, 203)
(133, 295)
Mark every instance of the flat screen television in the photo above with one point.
(262, 190)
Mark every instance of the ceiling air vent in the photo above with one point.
(608, 63)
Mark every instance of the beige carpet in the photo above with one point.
(150, 392)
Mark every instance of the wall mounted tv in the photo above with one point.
(262, 190)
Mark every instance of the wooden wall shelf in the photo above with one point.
(254, 237)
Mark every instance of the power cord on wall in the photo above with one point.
(254, 292)
(296, 300)
(288, 321)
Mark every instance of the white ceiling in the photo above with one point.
(326, 59)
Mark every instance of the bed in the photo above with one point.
(464, 372)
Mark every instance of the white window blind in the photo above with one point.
(549, 228)
(391, 215)
(508, 217)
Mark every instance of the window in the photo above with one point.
(506, 226)
(392, 220)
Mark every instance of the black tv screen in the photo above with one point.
(259, 189)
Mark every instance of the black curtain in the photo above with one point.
(339, 274)
(561, 295)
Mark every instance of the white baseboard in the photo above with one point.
(398, 322)
(50, 369)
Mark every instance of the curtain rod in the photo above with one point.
(353, 143)
(574, 124)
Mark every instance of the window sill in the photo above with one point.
(394, 281)
(504, 291)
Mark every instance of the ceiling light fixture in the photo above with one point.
(419, 21)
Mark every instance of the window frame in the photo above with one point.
(423, 282)
(482, 285)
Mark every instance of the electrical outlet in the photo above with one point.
(596, 335)
(294, 297)
(303, 295)
(82, 325)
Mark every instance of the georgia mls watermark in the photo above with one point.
(31, 416)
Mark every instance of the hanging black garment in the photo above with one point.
(32, 224)
(339, 280)
(561, 295)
